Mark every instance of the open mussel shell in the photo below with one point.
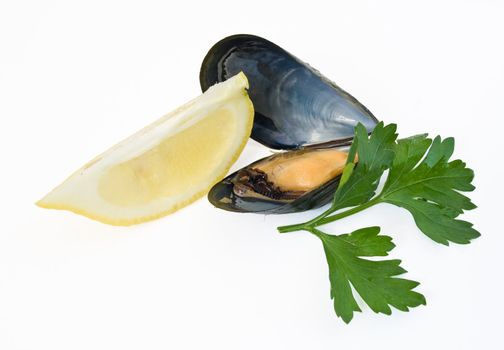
(294, 104)
(223, 197)
(231, 194)
(296, 109)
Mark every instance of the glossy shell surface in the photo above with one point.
(295, 105)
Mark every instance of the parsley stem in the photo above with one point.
(292, 228)
(344, 214)
(323, 218)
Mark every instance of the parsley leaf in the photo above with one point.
(373, 280)
(430, 191)
(421, 179)
(375, 155)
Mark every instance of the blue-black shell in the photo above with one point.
(295, 107)
(294, 104)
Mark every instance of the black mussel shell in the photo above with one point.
(222, 196)
(294, 104)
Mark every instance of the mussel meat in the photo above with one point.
(282, 183)
(296, 109)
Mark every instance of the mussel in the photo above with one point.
(296, 109)
(285, 182)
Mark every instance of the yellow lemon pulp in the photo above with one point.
(172, 167)
(165, 166)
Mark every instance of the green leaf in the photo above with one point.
(430, 189)
(377, 151)
(359, 188)
(375, 281)
(422, 179)
(375, 155)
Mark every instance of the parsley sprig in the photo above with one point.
(421, 179)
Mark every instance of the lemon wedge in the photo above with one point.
(165, 166)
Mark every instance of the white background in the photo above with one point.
(76, 77)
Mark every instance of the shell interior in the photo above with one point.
(283, 183)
